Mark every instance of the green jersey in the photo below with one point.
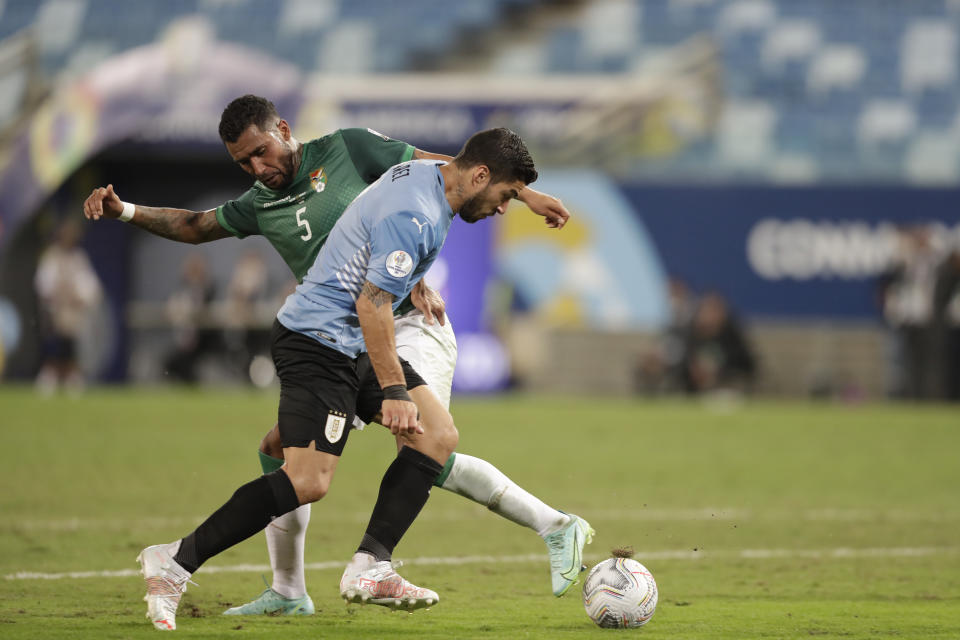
(333, 171)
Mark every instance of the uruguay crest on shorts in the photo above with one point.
(335, 427)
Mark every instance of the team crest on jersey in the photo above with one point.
(318, 180)
(399, 264)
(336, 426)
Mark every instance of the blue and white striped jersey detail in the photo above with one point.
(353, 274)
(389, 235)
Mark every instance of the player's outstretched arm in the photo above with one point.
(375, 313)
(542, 204)
(176, 224)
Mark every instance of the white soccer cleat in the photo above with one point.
(381, 584)
(166, 582)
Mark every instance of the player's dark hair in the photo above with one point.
(503, 152)
(243, 112)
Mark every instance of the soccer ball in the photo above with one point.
(620, 593)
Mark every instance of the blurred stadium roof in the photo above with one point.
(818, 90)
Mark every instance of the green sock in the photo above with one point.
(269, 463)
(447, 468)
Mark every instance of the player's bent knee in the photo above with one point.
(313, 494)
(450, 438)
(271, 444)
(310, 488)
(310, 472)
(442, 440)
(440, 429)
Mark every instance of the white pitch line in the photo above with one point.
(644, 556)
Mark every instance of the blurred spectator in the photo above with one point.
(68, 290)
(246, 333)
(660, 369)
(716, 356)
(188, 310)
(907, 298)
(947, 313)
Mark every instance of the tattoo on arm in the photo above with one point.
(376, 295)
(179, 224)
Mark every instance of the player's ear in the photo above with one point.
(481, 176)
(284, 128)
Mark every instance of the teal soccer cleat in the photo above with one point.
(566, 553)
(272, 603)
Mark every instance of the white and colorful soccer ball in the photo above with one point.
(620, 593)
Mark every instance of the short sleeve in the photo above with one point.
(373, 153)
(398, 243)
(239, 216)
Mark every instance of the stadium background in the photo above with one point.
(773, 151)
(768, 150)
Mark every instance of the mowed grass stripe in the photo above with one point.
(686, 554)
(641, 515)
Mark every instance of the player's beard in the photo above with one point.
(473, 209)
(289, 170)
(286, 172)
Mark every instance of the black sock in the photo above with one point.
(403, 492)
(249, 510)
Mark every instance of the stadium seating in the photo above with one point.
(849, 90)
(316, 35)
(856, 90)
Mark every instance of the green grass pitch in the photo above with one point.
(768, 520)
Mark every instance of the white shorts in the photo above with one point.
(430, 348)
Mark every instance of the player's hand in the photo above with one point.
(429, 302)
(542, 204)
(102, 203)
(401, 417)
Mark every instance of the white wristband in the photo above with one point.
(128, 211)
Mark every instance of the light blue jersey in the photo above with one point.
(390, 235)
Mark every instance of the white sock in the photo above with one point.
(285, 536)
(172, 549)
(360, 561)
(483, 483)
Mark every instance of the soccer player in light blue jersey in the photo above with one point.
(388, 237)
(376, 253)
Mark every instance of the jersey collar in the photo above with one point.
(441, 187)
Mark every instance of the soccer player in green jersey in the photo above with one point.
(300, 192)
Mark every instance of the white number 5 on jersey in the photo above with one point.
(307, 233)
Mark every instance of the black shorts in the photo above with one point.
(322, 389)
(371, 396)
